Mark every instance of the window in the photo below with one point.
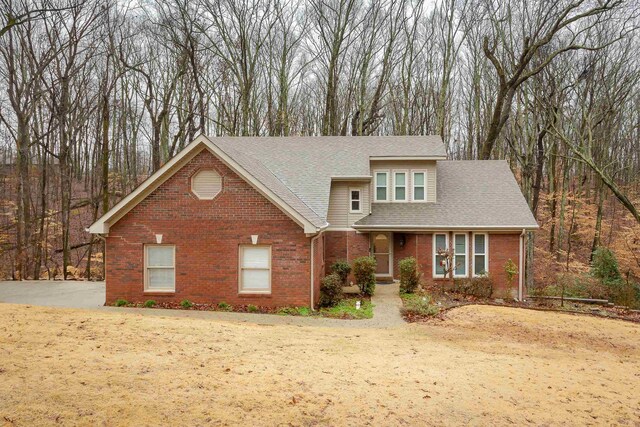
(400, 186)
(440, 243)
(460, 255)
(381, 186)
(355, 202)
(160, 268)
(255, 269)
(206, 184)
(419, 186)
(480, 259)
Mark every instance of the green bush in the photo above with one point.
(121, 302)
(185, 303)
(511, 270)
(624, 293)
(149, 303)
(224, 306)
(409, 276)
(304, 311)
(330, 290)
(604, 265)
(342, 269)
(252, 308)
(480, 287)
(418, 305)
(364, 271)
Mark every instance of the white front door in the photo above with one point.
(382, 252)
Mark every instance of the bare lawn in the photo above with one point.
(481, 365)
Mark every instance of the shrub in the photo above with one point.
(185, 303)
(224, 306)
(330, 290)
(480, 287)
(304, 311)
(342, 269)
(149, 303)
(121, 302)
(418, 305)
(604, 265)
(252, 308)
(409, 276)
(624, 293)
(510, 269)
(364, 271)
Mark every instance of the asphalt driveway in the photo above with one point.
(58, 293)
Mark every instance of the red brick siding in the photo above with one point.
(501, 248)
(417, 246)
(345, 246)
(207, 234)
(335, 248)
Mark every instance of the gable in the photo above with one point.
(174, 200)
(292, 207)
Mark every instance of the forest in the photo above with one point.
(95, 95)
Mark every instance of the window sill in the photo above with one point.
(153, 292)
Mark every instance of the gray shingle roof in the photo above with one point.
(470, 194)
(299, 169)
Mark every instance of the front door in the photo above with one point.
(382, 253)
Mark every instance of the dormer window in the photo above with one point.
(355, 200)
(419, 194)
(381, 186)
(400, 186)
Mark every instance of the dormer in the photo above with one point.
(403, 180)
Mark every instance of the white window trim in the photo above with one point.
(413, 185)
(240, 268)
(351, 200)
(146, 269)
(435, 252)
(406, 185)
(486, 254)
(466, 255)
(375, 185)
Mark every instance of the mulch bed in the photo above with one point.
(451, 300)
(208, 307)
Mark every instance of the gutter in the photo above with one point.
(313, 240)
(443, 227)
(521, 267)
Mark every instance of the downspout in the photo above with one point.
(313, 240)
(521, 267)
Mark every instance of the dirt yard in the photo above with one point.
(483, 365)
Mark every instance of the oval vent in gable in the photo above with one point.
(206, 184)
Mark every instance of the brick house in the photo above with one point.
(258, 220)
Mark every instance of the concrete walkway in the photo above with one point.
(91, 295)
(54, 293)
